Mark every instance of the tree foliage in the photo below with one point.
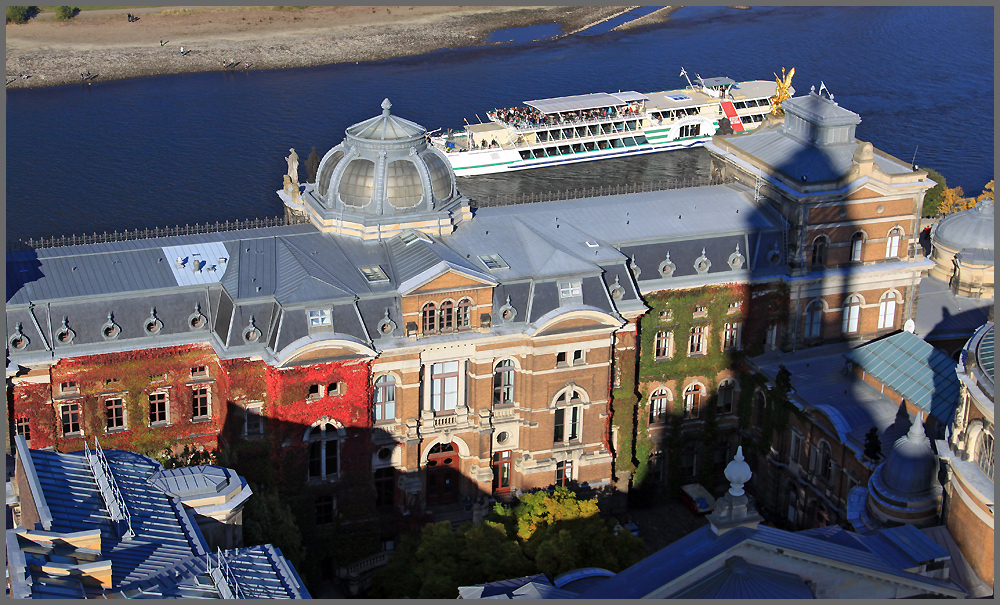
(65, 13)
(20, 14)
(267, 519)
(987, 193)
(934, 195)
(954, 200)
(544, 533)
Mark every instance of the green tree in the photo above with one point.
(934, 195)
(65, 13)
(20, 14)
(267, 519)
(437, 561)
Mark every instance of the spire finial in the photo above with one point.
(738, 472)
(385, 106)
(917, 432)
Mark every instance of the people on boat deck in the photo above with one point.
(526, 117)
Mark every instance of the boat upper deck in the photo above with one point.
(595, 100)
(690, 97)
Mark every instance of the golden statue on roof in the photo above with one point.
(783, 92)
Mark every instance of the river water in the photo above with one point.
(199, 148)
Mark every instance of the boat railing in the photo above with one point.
(603, 190)
(570, 123)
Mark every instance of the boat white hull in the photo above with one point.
(472, 163)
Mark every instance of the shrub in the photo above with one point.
(20, 14)
(934, 195)
(65, 13)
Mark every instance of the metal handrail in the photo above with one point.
(114, 500)
(572, 194)
(222, 576)
(579, 122)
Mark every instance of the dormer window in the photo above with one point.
(374, 274)
(570, 289)
(320, 318)
(493, 261)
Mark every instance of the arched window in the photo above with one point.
(887, 310)
(659, 406)
(385, 397)
(503, 382)
(852, 313)
(429, 313)
(663, 345)
(446, 316)
(727, 396)
(984, 453)
(463, 317)
(568, 415)
(892, 243)
(819, 251)
(692, 401)
(814, 319)
(324, 450)
(857, 242)
(825, 461)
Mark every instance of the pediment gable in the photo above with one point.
(443, 277)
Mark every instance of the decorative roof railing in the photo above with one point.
(620, 189)
(109, 490)
(135, 234)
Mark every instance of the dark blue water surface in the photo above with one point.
(205, 147)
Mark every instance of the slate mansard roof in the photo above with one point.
(274, 276)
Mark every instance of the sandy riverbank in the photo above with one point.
(106, 45)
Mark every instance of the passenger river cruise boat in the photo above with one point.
(597, 126)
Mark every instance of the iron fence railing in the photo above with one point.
(135, 234)
(603, 190)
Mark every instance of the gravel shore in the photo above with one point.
(104, 45)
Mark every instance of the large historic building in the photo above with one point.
(391, 351)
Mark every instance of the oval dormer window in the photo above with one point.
(152, 326)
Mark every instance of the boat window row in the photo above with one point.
(674, 114)
(752, 103)
(586, 131)
(524, 118)
(563, 150)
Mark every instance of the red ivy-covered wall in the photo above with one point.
(131, 376)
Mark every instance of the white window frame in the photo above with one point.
(667, 337)
(892, 242)
(124, 408)
(699, 338)
(722, 387)
(208, 395)
(255, 408)
(166, 408)
(79, 419)
(322, 432)
(731, 337)
(887, 311)
(659, 405)
(857, 246)
(852, 315)
(320, 318)
(374, 274)
(444, 387)
(384, 398)
(570, 289)
(691, 411)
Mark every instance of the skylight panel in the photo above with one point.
(374, 274)
(493, 261)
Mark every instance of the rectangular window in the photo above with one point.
(22, 427)
(157, 408)
(253, 423)
(69, 387)
(734, 307)
(199, 372)
(561, 358)
(574, 424)
(664, 345)
(696, 344)
(114, 410)
(795, 451)
(315, 392)
(320, 318)
(731, 336)
(577, 356)
(569, 289)
(70, 413)
(560, 425)
(385, 398)
(892, 245)
(700, 312)
(501, 471)
(727, 394)
(385, 486)
(851, 314)
(886, 313)
(199, 402)
(564, 472)
(324, 510)
(444, 386)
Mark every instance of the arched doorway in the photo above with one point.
(443, 472)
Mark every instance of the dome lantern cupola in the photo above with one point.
(382, 179)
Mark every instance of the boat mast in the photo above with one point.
(685, 74)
